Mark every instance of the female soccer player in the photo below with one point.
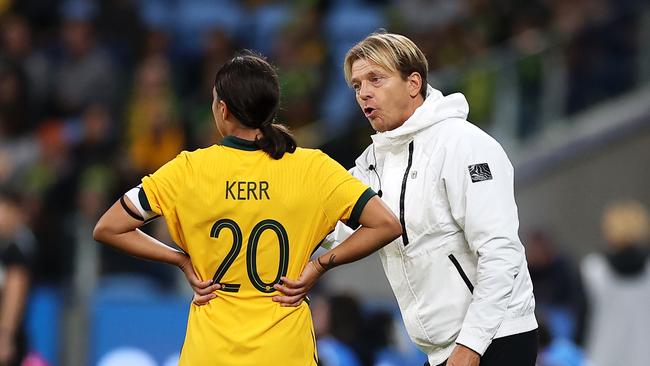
(249, 212)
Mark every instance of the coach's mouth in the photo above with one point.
(369, 112)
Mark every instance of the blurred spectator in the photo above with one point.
(601, 54)
(13, 101)
(448, 50)
(493, 19)
(300, 54)
(95, 173)
(380, 334)
(156, 43)
(477, 85)
(345, 23)
(17, 245)
(42, 15)
(95, 140)
(154, 134)
(95, 195)
(389, 340)
(121, 29)
(555, 284)
(337, 322)
(16, 157)
(49, 186)
(267, 17)
(199, 80)
(19, 52)
(617, 285)
(347, 337)
(528, 43)
(83, 72)
(557, 351)
(192, 19)
(427, 14)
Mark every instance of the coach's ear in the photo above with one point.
(414, 84)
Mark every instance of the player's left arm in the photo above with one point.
(119, 228)
(379, 226)
(343, 231)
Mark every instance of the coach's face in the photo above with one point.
(385, 98)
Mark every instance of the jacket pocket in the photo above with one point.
(462, 274)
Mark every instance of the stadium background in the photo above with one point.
(95, 94)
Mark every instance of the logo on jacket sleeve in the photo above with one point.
(479, 172)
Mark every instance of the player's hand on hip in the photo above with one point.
(203, 290)
(463, 356)
(201, 300)
(294, 292)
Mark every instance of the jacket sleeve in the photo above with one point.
(479, 180)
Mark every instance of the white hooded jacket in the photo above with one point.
(459, 271)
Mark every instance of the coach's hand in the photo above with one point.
(294, 292)
(203, 290)
(463, 356)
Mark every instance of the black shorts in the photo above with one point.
(514, 350)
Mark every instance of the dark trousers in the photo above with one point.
(515, 350)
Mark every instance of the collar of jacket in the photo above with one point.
(436, 108)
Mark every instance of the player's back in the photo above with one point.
(246, 219)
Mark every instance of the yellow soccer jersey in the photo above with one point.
(246, 219)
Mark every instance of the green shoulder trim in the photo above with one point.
(238, 143)
(353, 222)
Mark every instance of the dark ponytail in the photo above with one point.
(276, 140)
(249, 87)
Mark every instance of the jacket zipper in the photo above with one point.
(402, 196)
(461, 272)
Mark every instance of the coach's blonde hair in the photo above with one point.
(625, 223)
(393, 52)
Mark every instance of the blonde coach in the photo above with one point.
(458, 271)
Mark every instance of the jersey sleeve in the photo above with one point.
(162, 189)
(344, 196)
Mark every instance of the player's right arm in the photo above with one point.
(119, 228)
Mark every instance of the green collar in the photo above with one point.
(238, 143)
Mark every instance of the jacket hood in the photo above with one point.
(436, 108)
